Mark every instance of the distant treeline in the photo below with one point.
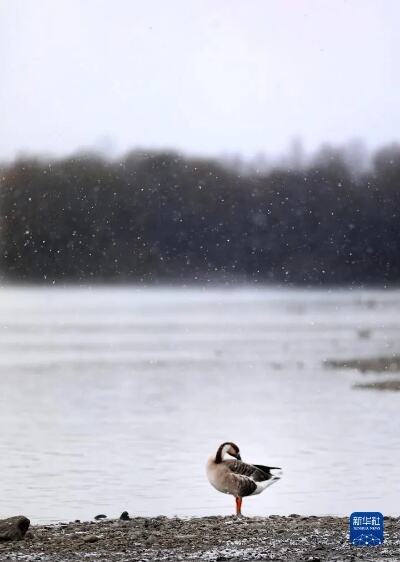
(164, 217)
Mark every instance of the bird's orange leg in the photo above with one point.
(238, 506)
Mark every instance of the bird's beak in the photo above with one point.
(239, 458)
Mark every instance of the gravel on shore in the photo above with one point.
(290, 539)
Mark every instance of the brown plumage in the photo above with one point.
(236, 477)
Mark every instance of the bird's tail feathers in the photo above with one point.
(274, 471)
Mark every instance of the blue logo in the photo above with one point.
(366, 528)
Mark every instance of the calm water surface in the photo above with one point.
(113, 398)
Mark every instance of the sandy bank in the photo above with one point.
(370, 364)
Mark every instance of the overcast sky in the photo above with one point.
(203, 76)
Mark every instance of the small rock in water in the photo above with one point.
(101, 516)
(125, 516)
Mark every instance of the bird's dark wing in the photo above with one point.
(245, 486)
(247, 478)
(257, 473)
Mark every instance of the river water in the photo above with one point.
(112, 399)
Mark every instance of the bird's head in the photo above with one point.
(227, 449)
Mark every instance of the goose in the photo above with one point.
(237, 478)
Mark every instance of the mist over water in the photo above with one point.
(113, 398)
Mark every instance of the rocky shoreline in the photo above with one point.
(289, 539)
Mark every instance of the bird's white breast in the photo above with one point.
(215, 477)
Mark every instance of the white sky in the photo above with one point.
(203, 76)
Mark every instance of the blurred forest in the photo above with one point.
(163, 217)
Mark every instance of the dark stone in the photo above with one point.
(125, 516)
(13, 528)
(101, 516)
(29, 536)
